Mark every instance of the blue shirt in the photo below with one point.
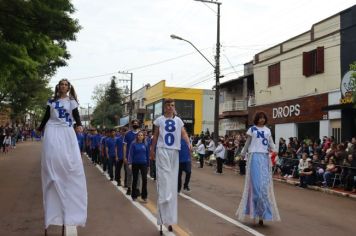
(184, 153)
(138, 153)
(120, 147)
(80, 138)
(110, 144)
(128, 139)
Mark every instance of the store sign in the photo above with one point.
(348, 85)
(286, 111)
(188, 121)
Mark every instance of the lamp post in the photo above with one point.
(130, 107)
(216, 68)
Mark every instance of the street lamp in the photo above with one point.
(216, 68)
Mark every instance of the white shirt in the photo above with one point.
(261, 139)
(211, 146)
(201, 149)
(170, 132)
(220, 151)
(61, 112)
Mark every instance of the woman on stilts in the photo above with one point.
(63, 179)
(258, 201)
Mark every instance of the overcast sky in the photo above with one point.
(134, 36)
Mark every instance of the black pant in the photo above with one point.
(153, 169)
(105, 162)
(95, 154)
(120, 163)
(219, 163)
(135, 169)
(112, 164)
(242, 165)
(187, 168)
(201, 159)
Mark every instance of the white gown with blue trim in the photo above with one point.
(63, 179)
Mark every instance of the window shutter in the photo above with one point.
(306, 64)
(319, 59)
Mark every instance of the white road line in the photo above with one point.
(71, 231)
(219, 214)
(141, 208)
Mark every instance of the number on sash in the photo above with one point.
(170, 128)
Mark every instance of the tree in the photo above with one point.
(33, 37)
(108, 108)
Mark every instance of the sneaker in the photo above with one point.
(187, 189)
(144, 200)
(170, 228)
(111, 179)
(128, 192)
(118, 183)
(134, 199)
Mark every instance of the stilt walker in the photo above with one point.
(168, 131)
(258, 201)
(63, 179)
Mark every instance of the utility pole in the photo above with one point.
(130, 106)
(217, 72)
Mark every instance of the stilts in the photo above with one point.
(45, 232)
(160, 230)
(62, 230)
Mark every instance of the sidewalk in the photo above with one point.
(292, 181)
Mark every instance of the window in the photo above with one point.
(274, 74)
(313, 62)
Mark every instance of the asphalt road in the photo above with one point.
(209, 209)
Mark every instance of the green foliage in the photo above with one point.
(109, 105)
(33, 37)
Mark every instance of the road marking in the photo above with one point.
(219, 214)
(71, 231)
(141, 208)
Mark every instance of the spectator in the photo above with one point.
(329, 172)
(308, 175)
(350, 173)
(303, 162)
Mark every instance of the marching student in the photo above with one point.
(80, 138)
(258, 201)
(168, 131)
(128, 139)
(63, 179)
(138, 162)
(120, 156)
(111, 153)
(185, 164)
(220, 155)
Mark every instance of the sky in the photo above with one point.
(134, 36)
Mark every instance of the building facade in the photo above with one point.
(138, 106)
(297, 82)
(234, 98)
(191, 105)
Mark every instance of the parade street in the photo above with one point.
(209, 209)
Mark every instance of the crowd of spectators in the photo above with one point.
(11, 134)
(322, 162)
(318, 162)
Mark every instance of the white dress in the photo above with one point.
(63, 179)
(167, 166)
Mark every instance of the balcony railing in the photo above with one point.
(235, 105)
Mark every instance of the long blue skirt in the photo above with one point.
(258, 199)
